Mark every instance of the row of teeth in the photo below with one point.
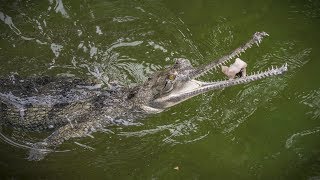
(272, 71)
(257, 39)
(258, 75)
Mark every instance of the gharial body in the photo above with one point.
(72, 107)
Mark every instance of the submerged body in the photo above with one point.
(76, 108)
(47, 103)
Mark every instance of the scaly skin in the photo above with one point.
(76, 108)
(39, 103)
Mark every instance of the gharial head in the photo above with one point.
(178, 83)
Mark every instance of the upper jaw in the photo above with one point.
(255, 40)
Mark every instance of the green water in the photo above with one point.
(268, 129)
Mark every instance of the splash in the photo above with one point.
(98, 30)
(59, 8)
(56, 49)
(157, 46)
(8, 21)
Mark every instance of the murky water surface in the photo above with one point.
(268, 129)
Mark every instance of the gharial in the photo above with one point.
(72, 107)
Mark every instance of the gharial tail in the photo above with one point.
(37, 151)
(41, 149)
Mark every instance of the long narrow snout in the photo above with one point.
(194, 87)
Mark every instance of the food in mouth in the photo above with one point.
(235, 70)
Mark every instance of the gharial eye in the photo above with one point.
(171, 77)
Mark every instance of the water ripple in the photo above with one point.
(295, 137)
(312, 100)
(124, 19)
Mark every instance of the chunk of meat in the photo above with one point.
(238, 68)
